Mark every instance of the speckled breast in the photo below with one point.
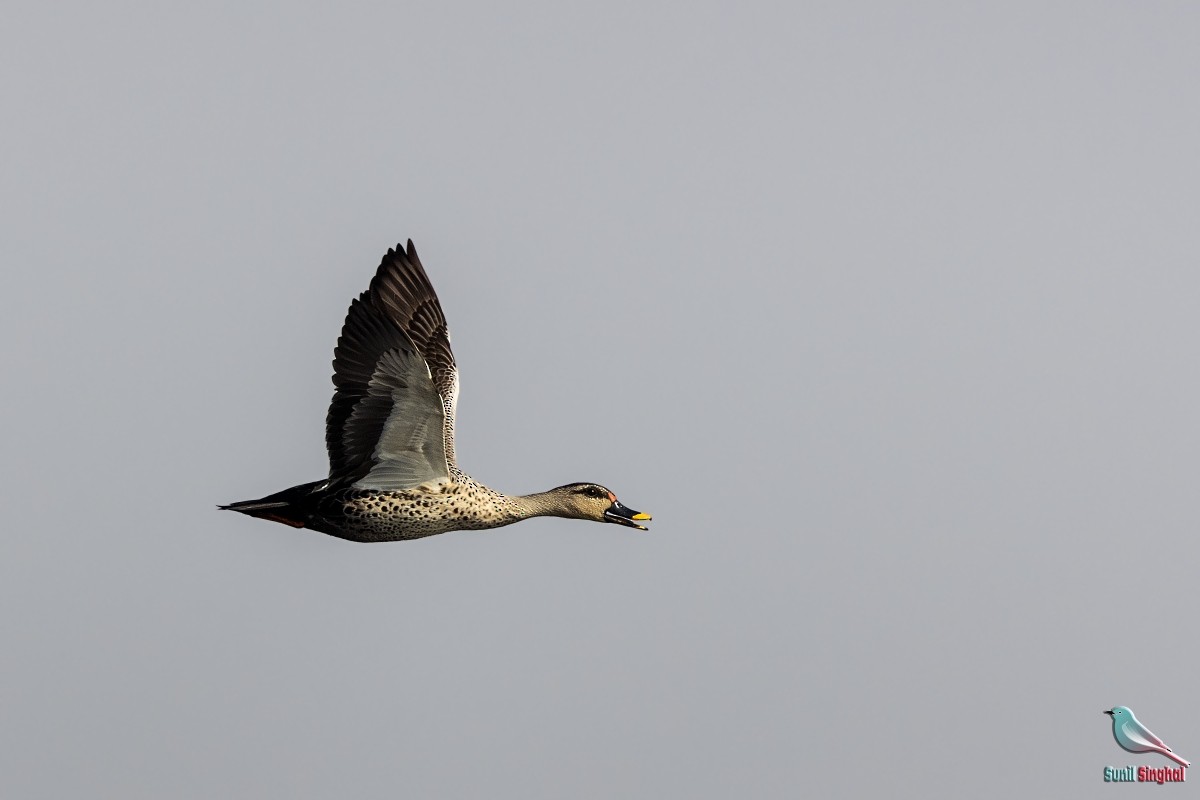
(369, 515)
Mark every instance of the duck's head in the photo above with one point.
(593, 501)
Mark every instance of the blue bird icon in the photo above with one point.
(1135, 737)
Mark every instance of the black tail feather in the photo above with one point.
(292, 506)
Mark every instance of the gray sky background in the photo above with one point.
(887, 314)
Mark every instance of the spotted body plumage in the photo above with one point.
(370, 515)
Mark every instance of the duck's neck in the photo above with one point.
(507, 508)
(540, 504)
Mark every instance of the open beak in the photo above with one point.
(625, 516)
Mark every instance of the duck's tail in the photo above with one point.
(291, 506)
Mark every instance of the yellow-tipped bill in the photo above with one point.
(625, 516)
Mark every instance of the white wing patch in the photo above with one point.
(411, 448)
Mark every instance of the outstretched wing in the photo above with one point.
(391, 423)
(402, 289)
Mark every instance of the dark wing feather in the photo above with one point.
(390, 424)
(402, 290)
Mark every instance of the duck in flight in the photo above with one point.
(390, 432)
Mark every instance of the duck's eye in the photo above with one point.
(594, 492)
